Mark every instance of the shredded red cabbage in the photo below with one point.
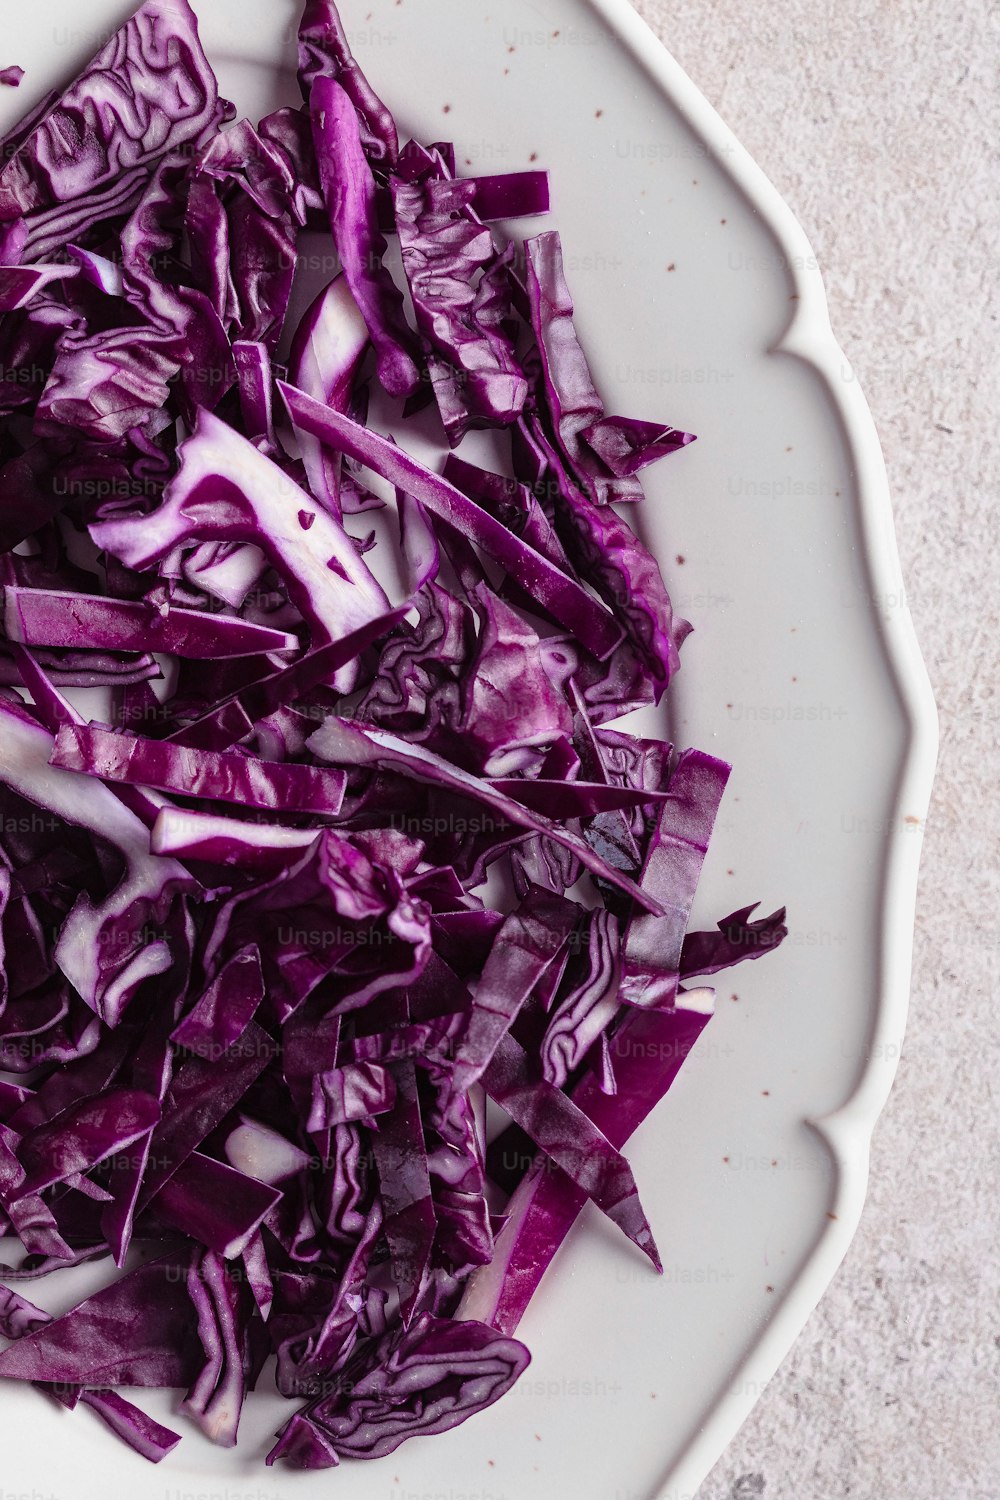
(257, 979)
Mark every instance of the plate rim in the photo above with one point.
(847, 1131)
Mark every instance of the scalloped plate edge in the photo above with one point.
(848, 1131)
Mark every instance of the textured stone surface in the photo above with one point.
(878, 122)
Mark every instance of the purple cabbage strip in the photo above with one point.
(357, 1091)
(511, 195)
(606, 550)
(677, 849)
(19, 1317)
(253, 369)
(112, 756)
(148, 1438)
(349, 190)
(571, 398)
(737, 938)
(530, 940)
(216, 1398)
(625, 446)
(582, 1015)
(573, 799)
(558, 593)
(105, 274)
(260, 847)
(18, 284)
(139, 1331)
(215, 1205)
(647, 1055)
(42, 617)
(326, 352)
(85, 1135)
(223, 1012)
(451, 262)
(570, 1139)
(324, 52)
(202, 1093)
(400, 1158)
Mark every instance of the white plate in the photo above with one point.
(700, 303)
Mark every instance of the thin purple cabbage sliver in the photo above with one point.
(648, 1053)
(325, 52)
(19, 1317)
(221, 777)
(356, 848)
(350, 194)
(737, 938)
(569, 1138)
(560, 594)
(676, 852)
(42, 617)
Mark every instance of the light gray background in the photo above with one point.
(878, 122)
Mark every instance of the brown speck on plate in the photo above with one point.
(533, 156)
(722, 221)
(555, 33)
(788, 450)
(769, 1289)
(832, 1216)
(774, 1163)
(794, 297)
(734, 997)
(795, 679)
(447, 109)
(766, 1093)
(694, 182)
(913, 821)
(726, 1160)
(681, 559)
(598, 113)
(511, 49)
(730, 872)
(538, 1436)
(671, 267)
